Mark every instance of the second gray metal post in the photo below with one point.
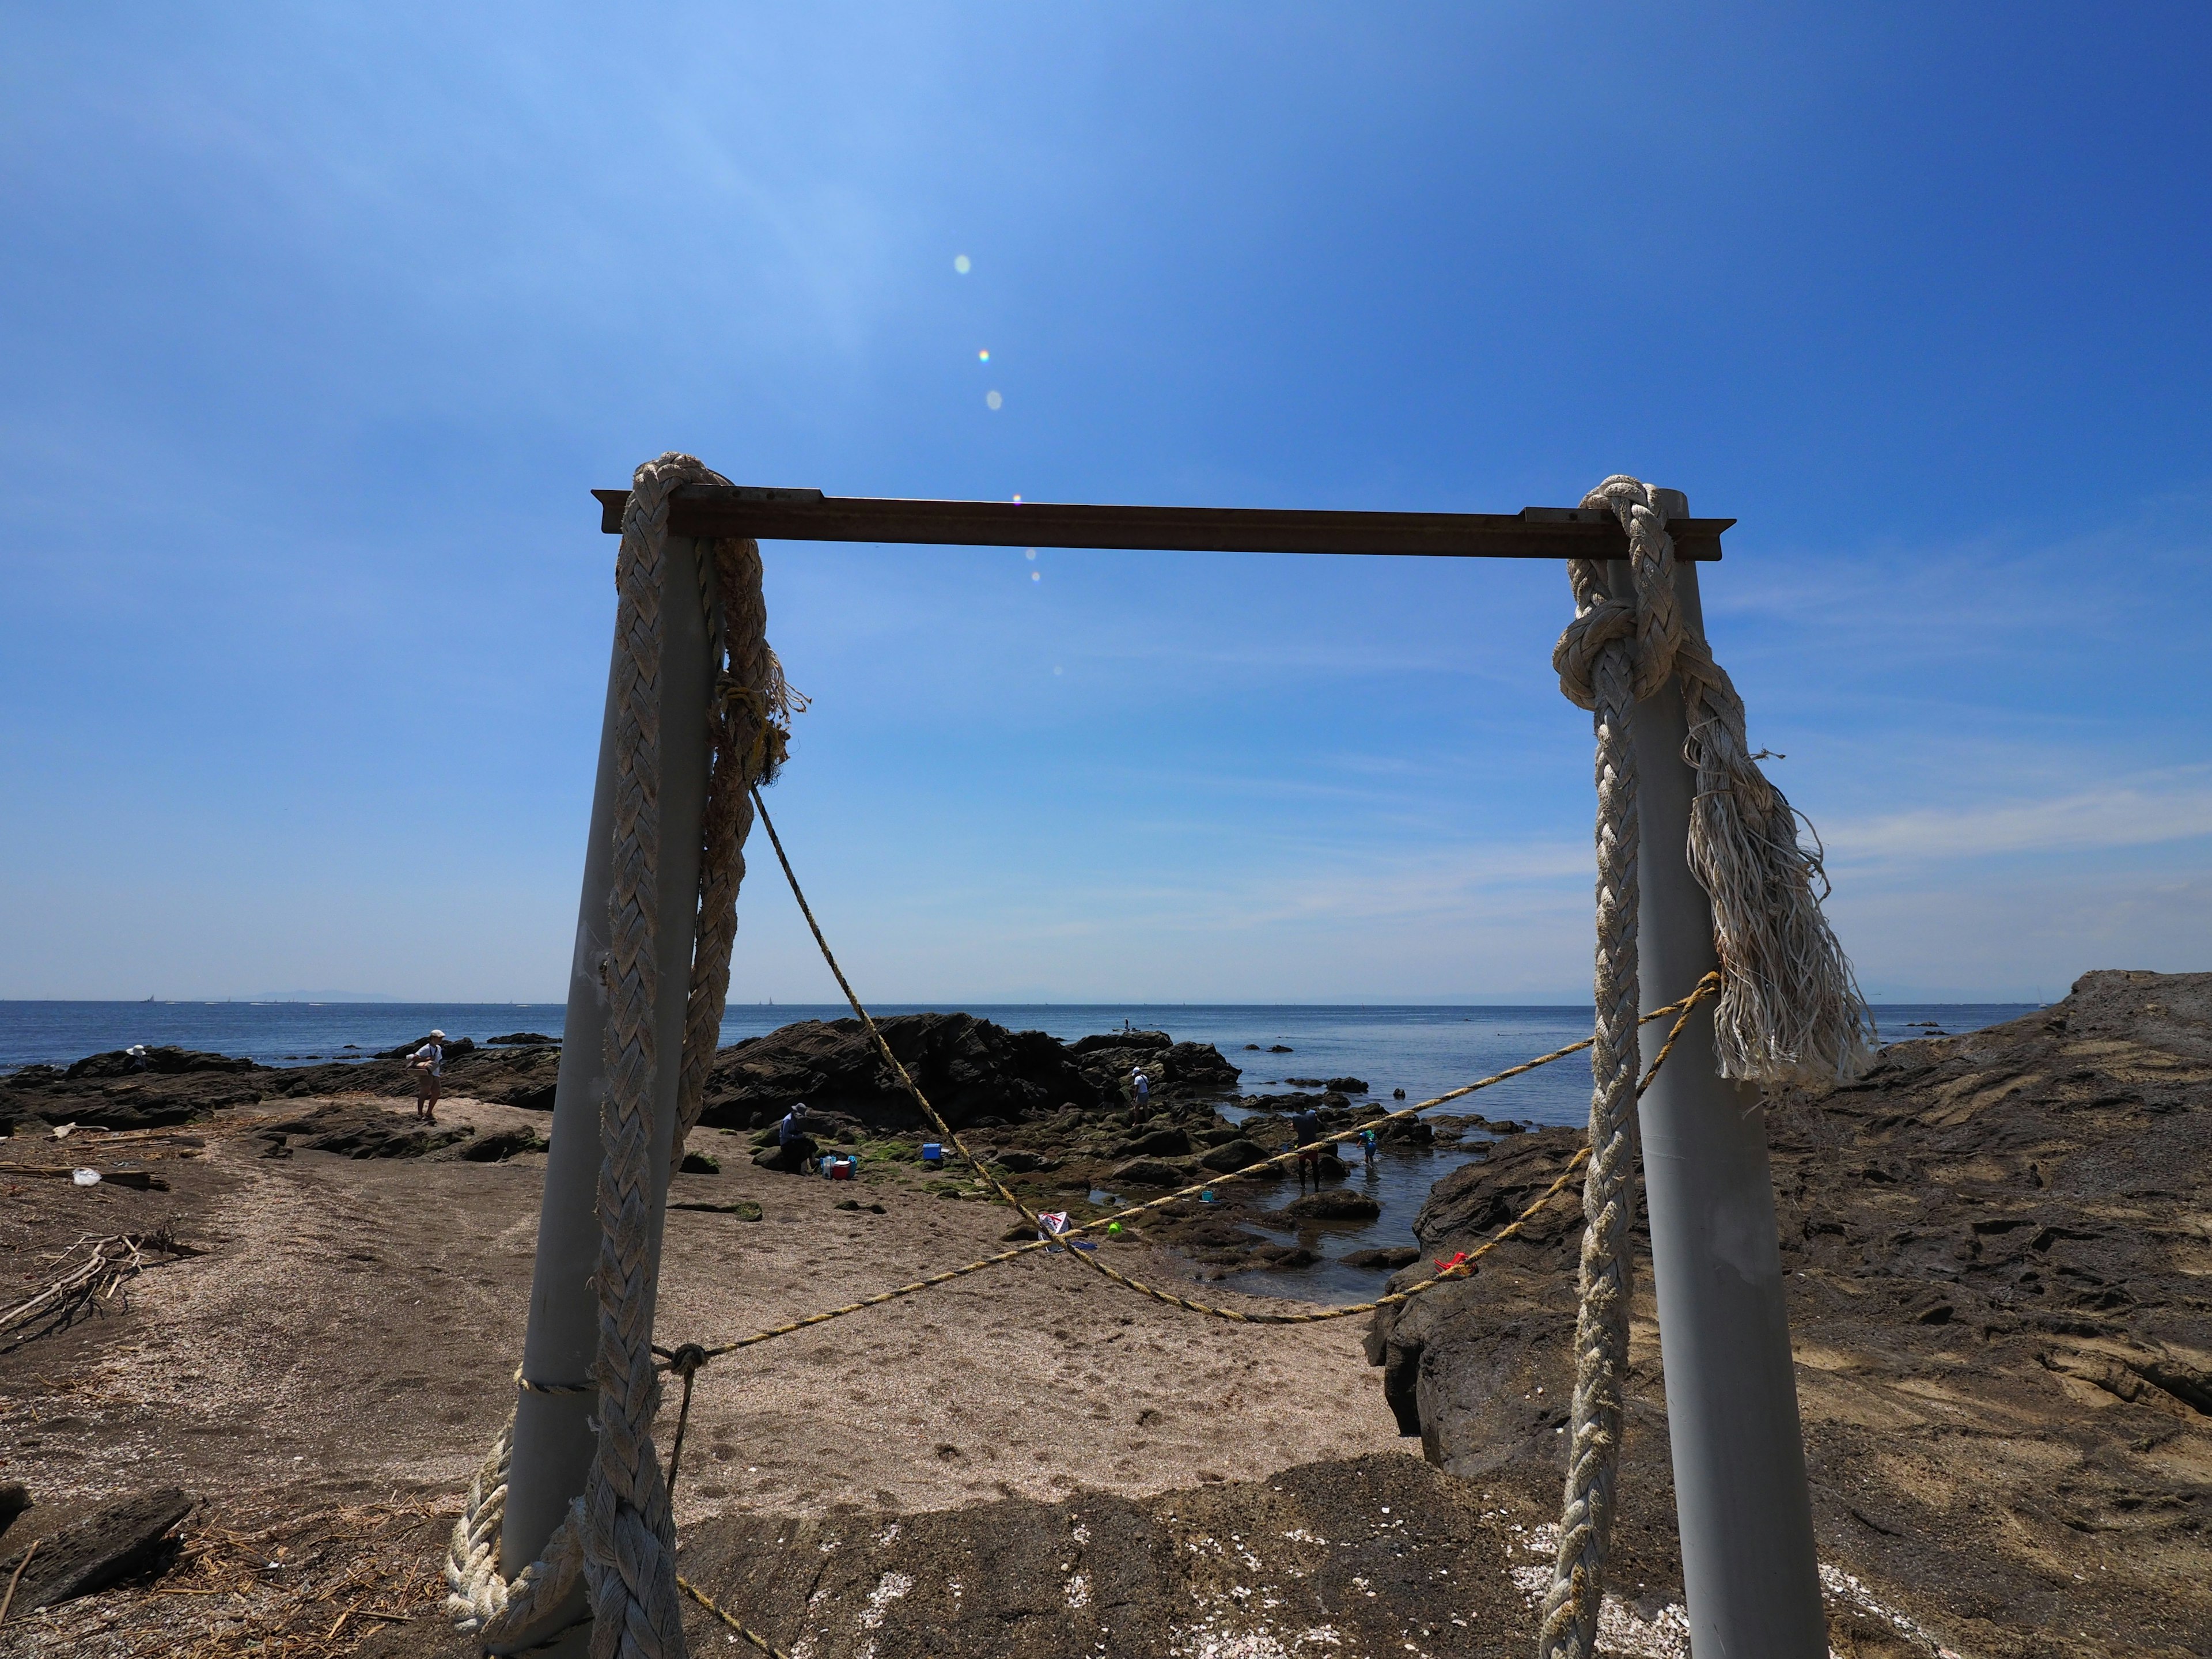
(1749, 1568)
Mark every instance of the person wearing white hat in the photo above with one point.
(429, 1064)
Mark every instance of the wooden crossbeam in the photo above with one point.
(808, 515)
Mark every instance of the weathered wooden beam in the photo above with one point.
(808, 515)
(111, 1543)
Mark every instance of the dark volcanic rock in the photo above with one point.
(163, 1062)
(1170, 1142)
(454, 1048)
(1995, 1256)
(153, 1089)
(355, 1130)
(1145, 1040)
(1179, 1068)
(789, 1157)
(1385, 1256)
(968, 1067)
(515, 1039)
(1150, 1172)
(1232, 1155)
(500, 1144)
(1334, 1204)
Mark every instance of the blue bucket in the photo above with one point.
(932, 1152)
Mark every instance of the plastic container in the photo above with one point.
(932, 1152)
(840, 1166)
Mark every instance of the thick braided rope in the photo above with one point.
(742, 733)
(1569, 1626)
(628, 1532)
(620, 1534)
(477, 1599)
(1790, 1010)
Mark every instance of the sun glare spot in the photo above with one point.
(1030, 556)
(1036, 575)
(983, 356)
(994, 399)
(960, 264)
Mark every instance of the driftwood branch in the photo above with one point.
(93, 1284)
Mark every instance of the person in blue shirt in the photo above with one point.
(793, 1141)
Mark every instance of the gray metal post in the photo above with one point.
(552, 1437)
(1746, 1519)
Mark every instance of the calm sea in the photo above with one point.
(1422, 1050)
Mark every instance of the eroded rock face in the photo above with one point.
(152, 1088)
(969, 1068)
(1364, 1556)
(1997, 1260)
(973, 1071)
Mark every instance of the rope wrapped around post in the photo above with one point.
(1790, 1008)
(619, 1533)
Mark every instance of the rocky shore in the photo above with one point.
(1057, 1120)
(1996, 1247)
(1998, 1252)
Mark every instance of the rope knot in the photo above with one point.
(687, 1359)
(1605, 621)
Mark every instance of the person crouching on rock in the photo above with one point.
(794, 1146)
(1306, 1126)
(429, 1064)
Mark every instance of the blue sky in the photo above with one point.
(317, 324)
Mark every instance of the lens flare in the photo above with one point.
(960, 264)
(982, 356)
(994, 399)
(1036, 575)
(1030, 556)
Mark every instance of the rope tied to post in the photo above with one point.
(1790, 1010)
(1789, 1007)
(619, 1535)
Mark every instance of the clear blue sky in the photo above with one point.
(317, 324)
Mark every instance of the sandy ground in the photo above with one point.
(346, 1338)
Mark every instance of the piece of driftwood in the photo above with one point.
(111, 1544)
(95, 1284)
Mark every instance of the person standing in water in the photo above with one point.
(1305, 1127)
(429, 1064)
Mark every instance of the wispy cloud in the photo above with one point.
(2134, 812)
